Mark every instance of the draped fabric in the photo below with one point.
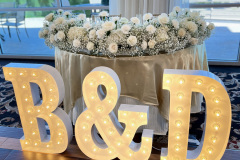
(140, 77)
(132, 8)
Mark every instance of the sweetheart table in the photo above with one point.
(140, 77)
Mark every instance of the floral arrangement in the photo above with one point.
(115, 36)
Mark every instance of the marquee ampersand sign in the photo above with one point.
(181, 84)
(116, 141)
(26, 80)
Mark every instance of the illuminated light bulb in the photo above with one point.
(110, 101)
(210, 150)
(51, 100)
(105, 121)
(216, 127)
(47, 107)
(181, 81)
(178, 123)
(119, 143)
(33, 133)
(35, 144)
(84, 127)
(147, 140)
(58, 124)
(34, 74)
(111, 131)
(216, 100)
(26, 99)
(199, 82)
(204, 158)
(58, 142)
(26, 142)
(130, 154)
(217, 113)
(23, 86)
(50, 89)
(124, 114)
(133, 124)
(21, 74)
(144, 151)
(128, 134)
(10, 73)
(48, 145)
(45, 80)
(92, 97)
(31, 122)
(180, 96)
(168, 81)
(214, 139)
(177, 148)
(102, 76)
(110, 151)
(141, 115)
(178, 136)
(99, 109)
(29, 111)
(38, 110)
(94, 149)
(164, 158)
(88, 116)
(212, 89)
(112, 87)
(50, 115)
(59, 133)
(179, 109)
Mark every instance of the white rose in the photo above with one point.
(49, 17)
(173, 14)
(87, 25)
(151, 29)
(162, 35)
(76, 32)
(175, 23)
(181, 32)
(92, 34)
(191, 26)
(194, 14)
(132, 40)
(82, 16)
(101, 33)
(60, 35)
(40, 34)
(76, 43)
(147, 16)
(67, 14)
(135, 20)
(177, 9)
(52, 39)
(163, 18)
(114, 19)
(45, 31)
(59, 20)
(52, 27)
(72, 20)
(144, 45)
(193, 41)
(211, 26)
(125, 28)
(90, 46)
(108, 26)
(103, 14)
(60, 11)
(152, 43)
(113, 48)
(124, 20)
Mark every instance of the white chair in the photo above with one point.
(3, 14)
(19, 18)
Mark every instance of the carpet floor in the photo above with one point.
(230, 76)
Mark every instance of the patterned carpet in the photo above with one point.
(230, 75)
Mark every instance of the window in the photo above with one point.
(21, 38)
(223, 45)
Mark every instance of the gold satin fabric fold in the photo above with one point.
(141, 77)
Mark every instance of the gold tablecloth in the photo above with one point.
(141, 77)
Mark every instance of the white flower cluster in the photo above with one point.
(119, 36)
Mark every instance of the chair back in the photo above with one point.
(20, 14)
(7, 5)
(65, 3)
